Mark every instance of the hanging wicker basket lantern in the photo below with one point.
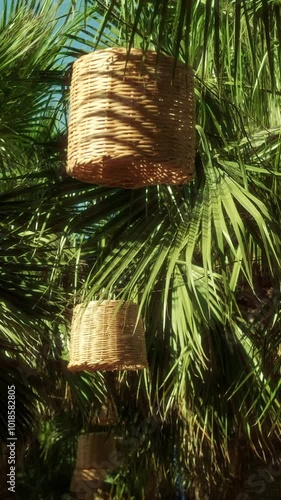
(106, 336)
(131, 119)
(96, 456)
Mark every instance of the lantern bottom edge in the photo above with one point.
(94, 367)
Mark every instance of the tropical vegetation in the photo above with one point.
(202, 260)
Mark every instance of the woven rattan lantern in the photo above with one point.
(107, 336)
(131, 119)
(107, 415)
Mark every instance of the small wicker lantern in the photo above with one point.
(96, 456)
(106, 336)
(131, 120)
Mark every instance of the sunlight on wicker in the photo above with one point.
(131, 126)
(107, 415)
(94, 449)
(96, 456)
(105, 336)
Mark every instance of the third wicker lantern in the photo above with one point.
(131, 119)
(107, 335)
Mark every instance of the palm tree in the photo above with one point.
(203, 260)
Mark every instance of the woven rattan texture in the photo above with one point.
(106, 336)
(94, 451)
(85, 483)
(131, 125)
